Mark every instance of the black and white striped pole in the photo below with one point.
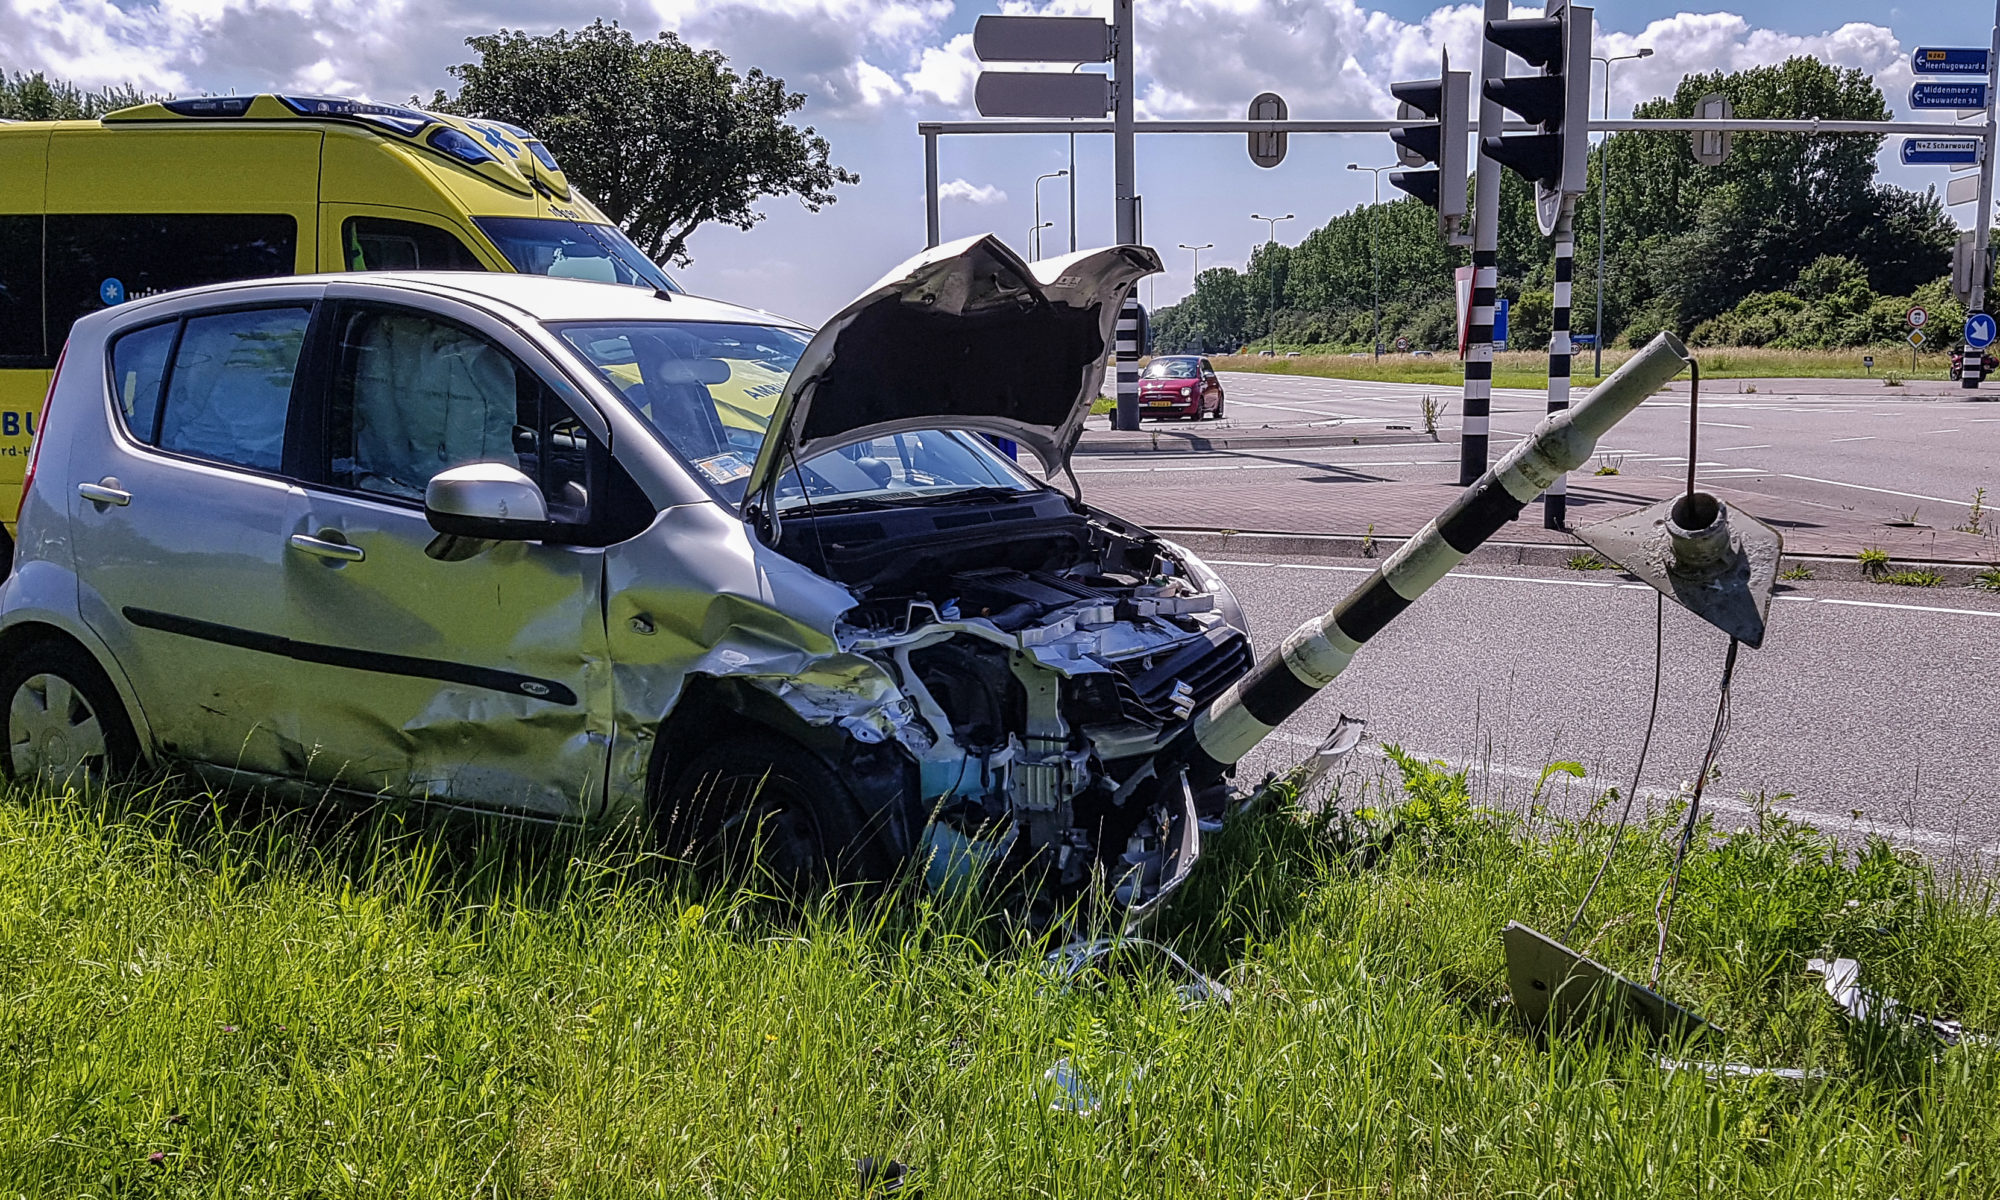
(1128, 364)
(1555, 501)
(1318, 651)
(1476, 405)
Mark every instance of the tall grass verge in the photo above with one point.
(202, 998)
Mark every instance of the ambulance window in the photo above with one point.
(380, 244)
(95, 261)
(21, 292)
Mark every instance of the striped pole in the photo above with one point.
(1477, 406)
(1555, 501)
(1128, 364)
(1318, 651)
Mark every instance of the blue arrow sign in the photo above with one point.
(1980, 330)
(1947, 60)
(1948, 93)
(1939, 152)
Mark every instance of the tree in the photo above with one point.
(1689, 242)
(662, 136)
(32, 96)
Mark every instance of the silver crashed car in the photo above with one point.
(578, 551)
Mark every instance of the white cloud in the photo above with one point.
(980, 194)
(832, 50)
(1687, 43)
(945, 73)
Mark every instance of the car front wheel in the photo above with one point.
(762, 803)
(64, 721)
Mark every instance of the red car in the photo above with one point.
(1180, 385)
(1987, 364)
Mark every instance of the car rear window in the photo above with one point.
(138, 367)
(232, 384)
(216, 385)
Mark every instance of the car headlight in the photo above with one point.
(1201, 573)
(1187, 389)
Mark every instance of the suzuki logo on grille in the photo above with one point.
(1182, 697)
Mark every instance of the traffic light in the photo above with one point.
(1447, 99)
(1556, 101)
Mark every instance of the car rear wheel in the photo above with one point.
(763, 804)
(64, 721)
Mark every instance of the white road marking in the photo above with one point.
(1662, 797)
(1606, 583)
(1725, 425)
(1862, 487)
(1867, 438)
(1967, 612)
(1930, 431)
(1727, 449)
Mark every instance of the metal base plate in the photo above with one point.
(1553, 984)
(1738, 602)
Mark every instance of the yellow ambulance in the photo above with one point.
(187, 192)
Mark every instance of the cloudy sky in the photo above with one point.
(875, 67)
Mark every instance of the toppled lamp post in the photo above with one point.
(1318, 651)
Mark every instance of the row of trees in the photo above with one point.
(1686, 246)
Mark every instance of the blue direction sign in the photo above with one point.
(1948, 60)
(1939, 152)
(1948, 93)
(1980, 330)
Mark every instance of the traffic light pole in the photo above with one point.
(1555, 501)
(1974, 360)
(1126, 196)
(1476, 406)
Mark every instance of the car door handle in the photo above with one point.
(321, 548)
(104, 493)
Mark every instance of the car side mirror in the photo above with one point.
(486, 500)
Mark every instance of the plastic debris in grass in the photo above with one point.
(1740, 1071)
(1843, 984)
(1068, 1091)
(880, 1178)
(1128, 957)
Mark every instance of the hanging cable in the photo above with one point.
(1663, 906)
(1638, 769)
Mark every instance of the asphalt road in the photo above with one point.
(1874, 714)
(1850, 445)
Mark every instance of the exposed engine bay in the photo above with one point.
(1043, 651)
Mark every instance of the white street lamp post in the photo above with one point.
(1197, 261)
(1603, 190)
(1035, 251)
(1374, 265)
(1271, 241)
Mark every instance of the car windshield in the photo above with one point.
(573, 250)
(708, 389)
(1170, 368)
(900, 467)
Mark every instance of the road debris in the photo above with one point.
(1073, 1094)
(1106, 955)
(1740, 1070)
(1555, 986)
(1843, 984)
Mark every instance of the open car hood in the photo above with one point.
(966, 335)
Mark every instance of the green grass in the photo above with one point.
(207, 999)
(1529, 369)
